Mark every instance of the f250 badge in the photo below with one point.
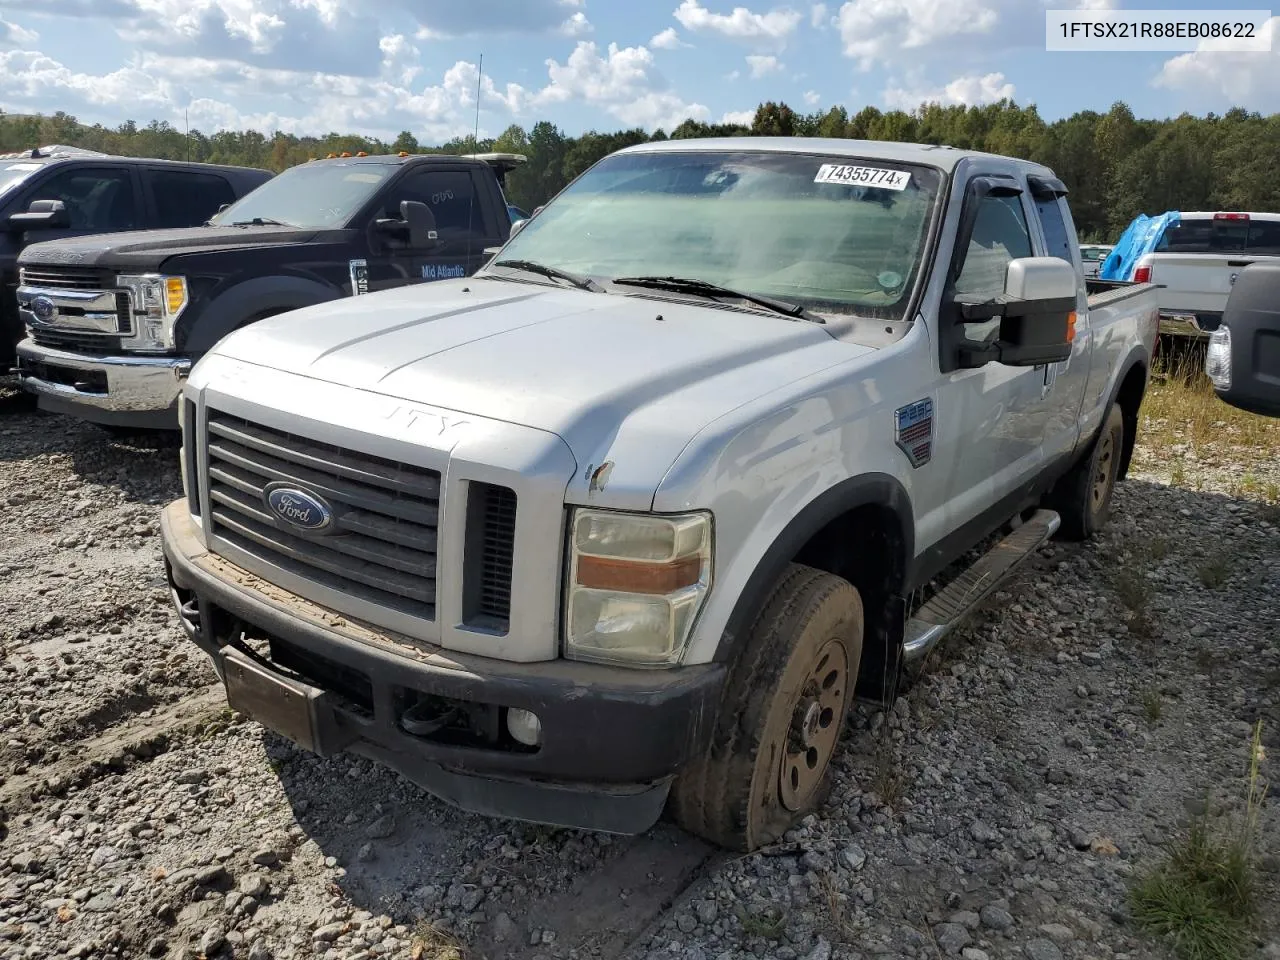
(913, 431)
(359, 277)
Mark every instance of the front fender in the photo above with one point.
(244, 301)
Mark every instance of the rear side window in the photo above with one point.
(97, 200)
(451, 197)
(186, 199)
(1055, 228)
(1264, 238)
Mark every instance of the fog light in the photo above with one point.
(524, 727)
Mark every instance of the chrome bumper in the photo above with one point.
(138, 391)
(1179, 324)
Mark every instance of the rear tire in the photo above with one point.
(1083, 497)
(780, 716)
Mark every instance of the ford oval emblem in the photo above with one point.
(44, 309)
(298, 508)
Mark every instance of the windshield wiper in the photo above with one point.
(260, 222)
(703, 288)
(553, 273)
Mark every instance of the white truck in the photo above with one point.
(628, 519)
(1197, 261)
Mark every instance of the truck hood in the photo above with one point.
(628, 380)
(149, 248)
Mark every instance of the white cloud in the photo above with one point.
(576, 26)
(812, 98)
(743, 118)
(1214, 74)
(818, 16)
(772, 28)
(452, 18)
(879, 31)
(875, 30)
(964, 91)
(762, 66)
(622, 82)
(668, 39)
(13, 35)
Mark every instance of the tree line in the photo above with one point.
(1115, 165)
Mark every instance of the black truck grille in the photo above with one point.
(57, 278)
(382, 547)
(490, 553)
(92, 344)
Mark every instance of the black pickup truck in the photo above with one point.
(55, 193)
(1243, 357)
(116, 322)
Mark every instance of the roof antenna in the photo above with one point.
(475, 149)
(186, 122)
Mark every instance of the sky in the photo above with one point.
(377, 67)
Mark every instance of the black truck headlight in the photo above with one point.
(157, 302)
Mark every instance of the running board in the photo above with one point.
(957, 600)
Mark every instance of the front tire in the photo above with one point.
(1083, 496)
(780, 717)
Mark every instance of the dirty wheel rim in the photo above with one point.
(815, 726)
(1102, 472)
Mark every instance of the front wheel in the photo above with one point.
(780, 716)
(1083, 497)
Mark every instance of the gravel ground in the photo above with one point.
(1055, 746)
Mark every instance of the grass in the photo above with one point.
(1152, 705)
(1180, 408)
(887, 780)
(431, 943)
(1214, 572)
(1129, 580)
(1202, 899)
(767, 923)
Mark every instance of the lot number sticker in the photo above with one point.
(862, 176)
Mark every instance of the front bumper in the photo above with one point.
(1181, 323)
(612, 738)
(137, 391)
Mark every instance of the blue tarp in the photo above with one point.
(1138, 239)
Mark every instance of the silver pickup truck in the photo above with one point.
(627, 520)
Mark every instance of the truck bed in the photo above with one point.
(1105, 293)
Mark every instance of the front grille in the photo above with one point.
(58, 278)
(189, 449)
(124, 310)
(382, 548)
(88, 343)
(490, 551)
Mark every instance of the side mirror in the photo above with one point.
(1037, 315)
(421, 222)
(42, 215)
(1241, 359)
(415, 227)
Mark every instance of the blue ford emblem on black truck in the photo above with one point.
(298, 508)
(43, 308)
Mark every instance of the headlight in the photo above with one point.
(1217, 359)
(636, 583)
(157, 301)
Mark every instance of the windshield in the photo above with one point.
(314, 195)
(12, 174)
(836, 235)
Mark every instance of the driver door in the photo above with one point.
(991, 420)
(463, 230)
